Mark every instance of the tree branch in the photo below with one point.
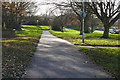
(115, 19)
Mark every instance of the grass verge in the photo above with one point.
(92, 39)
(108, 58)
(44, 27)
(17, 51)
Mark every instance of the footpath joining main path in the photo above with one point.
(58, 58)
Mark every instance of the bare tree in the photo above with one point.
(76, 7)
(107, 12)
(64, 18)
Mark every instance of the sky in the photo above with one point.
(42, 8)
(45, 8)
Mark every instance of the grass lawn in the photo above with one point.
(44, 27)
(108, 58)
(90, 38)
(17, 51)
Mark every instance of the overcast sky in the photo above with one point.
(44, 8)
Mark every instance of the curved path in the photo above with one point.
(58, 58)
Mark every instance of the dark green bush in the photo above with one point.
(55, 24)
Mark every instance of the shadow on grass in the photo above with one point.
(14, 61)
(17, 50)
(16, 54)
(8, 34)
(108, 58)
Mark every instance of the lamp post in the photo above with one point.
(83, 15)
(37, 25)
(83, 24)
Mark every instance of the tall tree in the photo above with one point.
(76, 7)
(107, 12)
(63, 19)
(13, 13)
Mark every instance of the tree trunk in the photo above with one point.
(106, 32)
(86, 28)
(62, 29)
(92, 28)
(119, 24)
(81, 30)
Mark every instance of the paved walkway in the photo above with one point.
(79, 46)
(58, 58)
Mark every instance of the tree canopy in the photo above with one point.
(13, 13)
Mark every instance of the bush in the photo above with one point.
(55, 24)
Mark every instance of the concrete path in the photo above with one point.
(79, 46)
(58, 58)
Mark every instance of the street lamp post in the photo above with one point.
(37, 25)
(83, 15)
(83, 24)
